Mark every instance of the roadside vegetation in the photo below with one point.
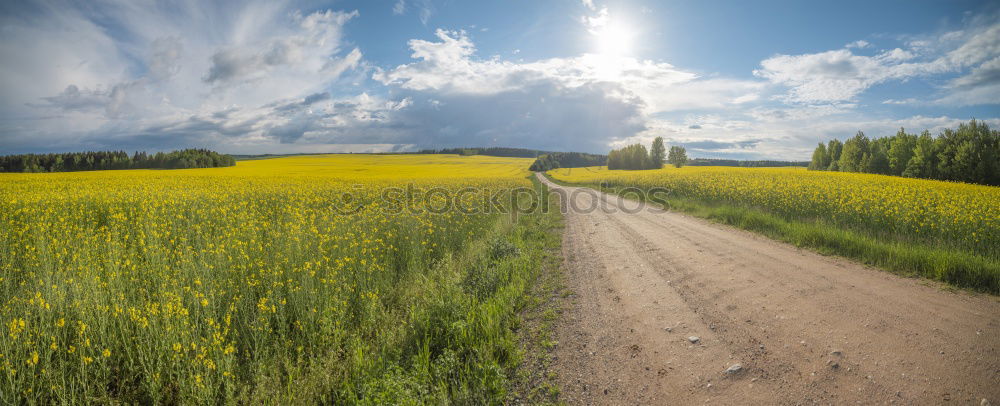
(940, 230)
(282, 279)
(970, 153)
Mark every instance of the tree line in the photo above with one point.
(557, 160)
(968, 154)
(488, 151)
(636, 157)
(111, 160)
(743, 163)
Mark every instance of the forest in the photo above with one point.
(556, 160)
(970, 153)
(111, 160)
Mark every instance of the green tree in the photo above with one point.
(819, 158)
(901, 148)
(852, 158)
(923, 164)
(969, 154)
(677, 156)
(633, 156)
(658, 153)
(833, 150)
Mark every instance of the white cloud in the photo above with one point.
(823, 77)
(597, 22)
(980, 86)
(858, 44)
(841, 75)
(613, 95)
(307, 50)
(69, 80)
(449, 66)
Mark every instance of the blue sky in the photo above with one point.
(764, 79)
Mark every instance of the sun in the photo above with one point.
(613, 39)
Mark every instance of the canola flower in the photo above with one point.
(206, 285)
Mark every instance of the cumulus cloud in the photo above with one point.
(165, 76)
(841, 75)
(449, 66)
(595, 99)
(837, 75)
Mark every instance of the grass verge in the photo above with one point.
(533, 381)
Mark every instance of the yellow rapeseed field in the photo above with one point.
(954, 216)
(290, 278)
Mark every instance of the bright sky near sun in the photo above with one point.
(740, 79)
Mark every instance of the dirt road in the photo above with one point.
(804, 328)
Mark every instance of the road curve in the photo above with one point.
(805, 328)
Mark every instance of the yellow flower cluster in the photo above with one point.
(188, 284)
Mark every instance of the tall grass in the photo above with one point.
(230, 287)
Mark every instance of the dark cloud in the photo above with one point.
(567, 119)
(694, 127)
(228, 64)
(315, 98)
(843, 68)
(72, 98)
(291, 131)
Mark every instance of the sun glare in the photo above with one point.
(614, 39)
